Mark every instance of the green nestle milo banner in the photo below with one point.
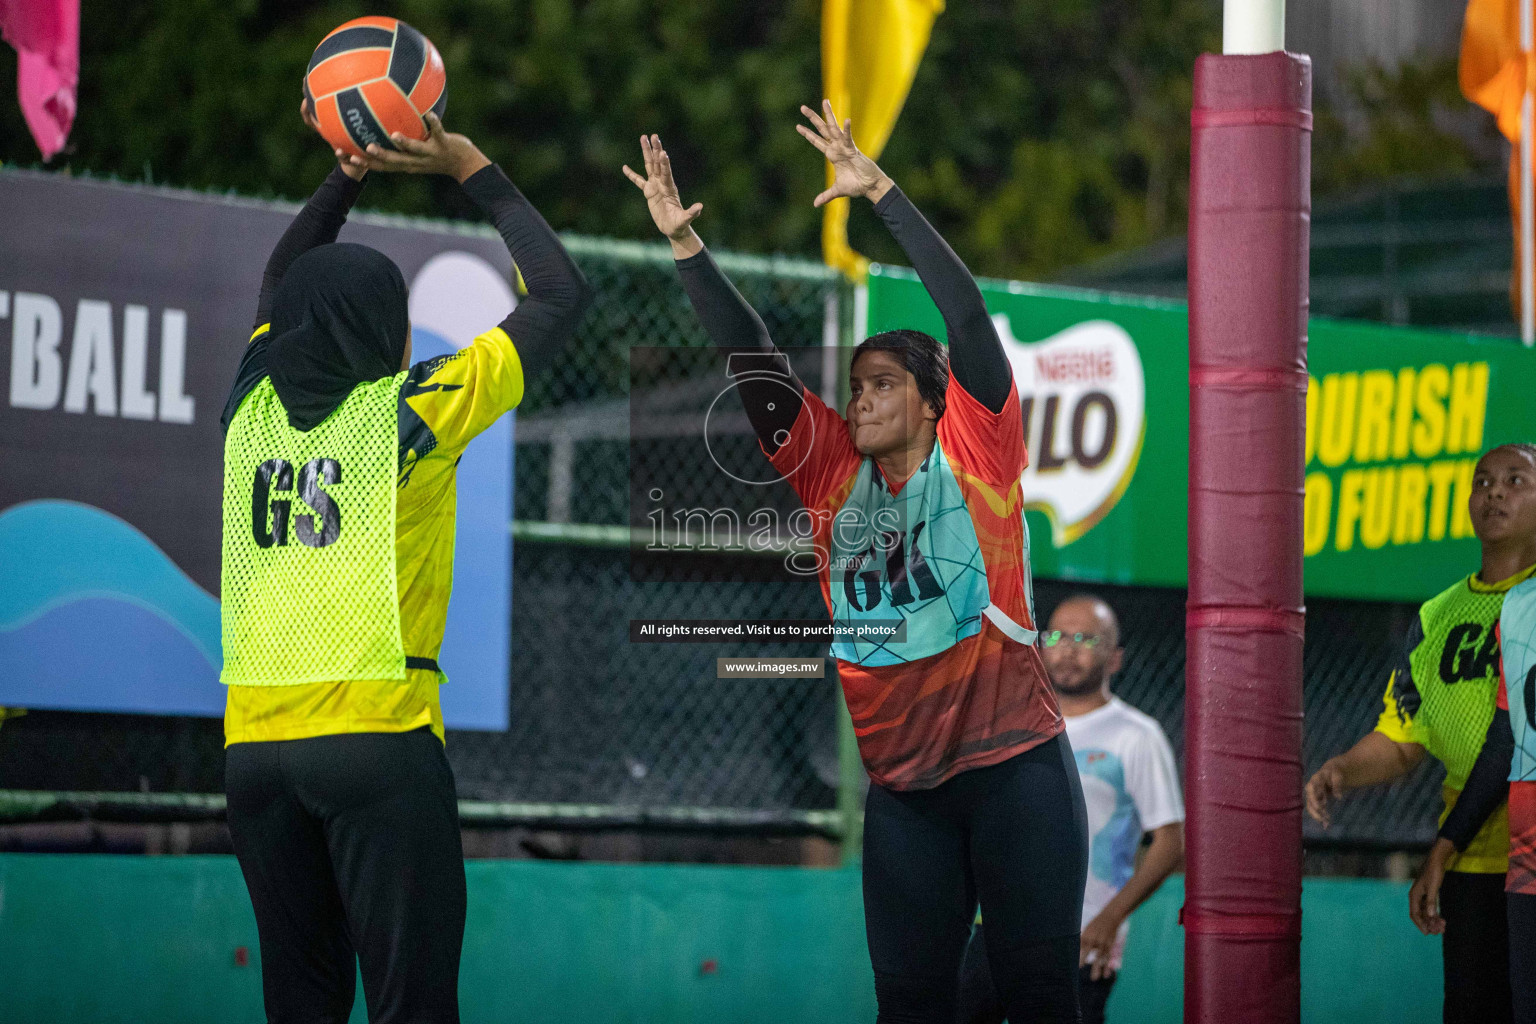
(1396, 419)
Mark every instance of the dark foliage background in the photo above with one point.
(1039, 134)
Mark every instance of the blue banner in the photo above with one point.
(126, 310)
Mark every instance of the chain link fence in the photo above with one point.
(646, 729)
(1350, 647)
(604, 731)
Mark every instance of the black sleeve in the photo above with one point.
(762, 371)
(317, 224)
(976, 356)
(253, 367)
(1487, 786)
(558, 295)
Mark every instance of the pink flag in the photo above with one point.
(46, 35)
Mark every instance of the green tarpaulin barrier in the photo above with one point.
(102, 939)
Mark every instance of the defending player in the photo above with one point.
(1440, 698)
(1131, 787)
(974, 790)
(338, 554)
(1505, 769)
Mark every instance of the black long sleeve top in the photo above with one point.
(540, 326)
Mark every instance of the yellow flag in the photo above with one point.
(870, 50)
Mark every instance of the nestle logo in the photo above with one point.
(1082, 397)
(1075, 366)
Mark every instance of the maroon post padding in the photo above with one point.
(1249, 211)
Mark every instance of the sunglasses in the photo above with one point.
(1052, 637)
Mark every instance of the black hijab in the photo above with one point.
(339, 319)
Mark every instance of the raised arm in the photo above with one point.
(317, 224)
(545, 320)
(543, 323)
(976, 356)
(731, 323)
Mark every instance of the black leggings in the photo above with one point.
(350, 849)
(1013, 836)
(978, 1002)
(1522, 955)
(1475, 948)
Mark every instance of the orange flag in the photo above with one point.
(1493, 74)
(1492, 70)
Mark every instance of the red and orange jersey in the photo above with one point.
(942, 553)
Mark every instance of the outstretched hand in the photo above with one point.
(661, 197)
(439, 153)
(854, 173)
(351, 170)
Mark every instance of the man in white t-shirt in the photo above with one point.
(1131, 788)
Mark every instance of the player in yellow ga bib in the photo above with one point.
(338, 514)
(1503, 779)
(1440, 700)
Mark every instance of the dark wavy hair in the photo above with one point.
(925, 359)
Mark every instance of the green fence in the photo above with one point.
(606, 733)
(602, 732)
(105, 939)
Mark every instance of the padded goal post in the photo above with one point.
(1250, 172)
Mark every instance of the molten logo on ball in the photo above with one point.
(1083, 398)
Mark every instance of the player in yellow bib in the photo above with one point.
(338, 538)
(1440, 699)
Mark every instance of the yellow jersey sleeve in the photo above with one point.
(1393, 723)
(452, 398)
(444, 403)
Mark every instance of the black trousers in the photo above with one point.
(1013, 837)
(1476, 949)
(350, 849)
(1522, 956)
(979, 1003)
